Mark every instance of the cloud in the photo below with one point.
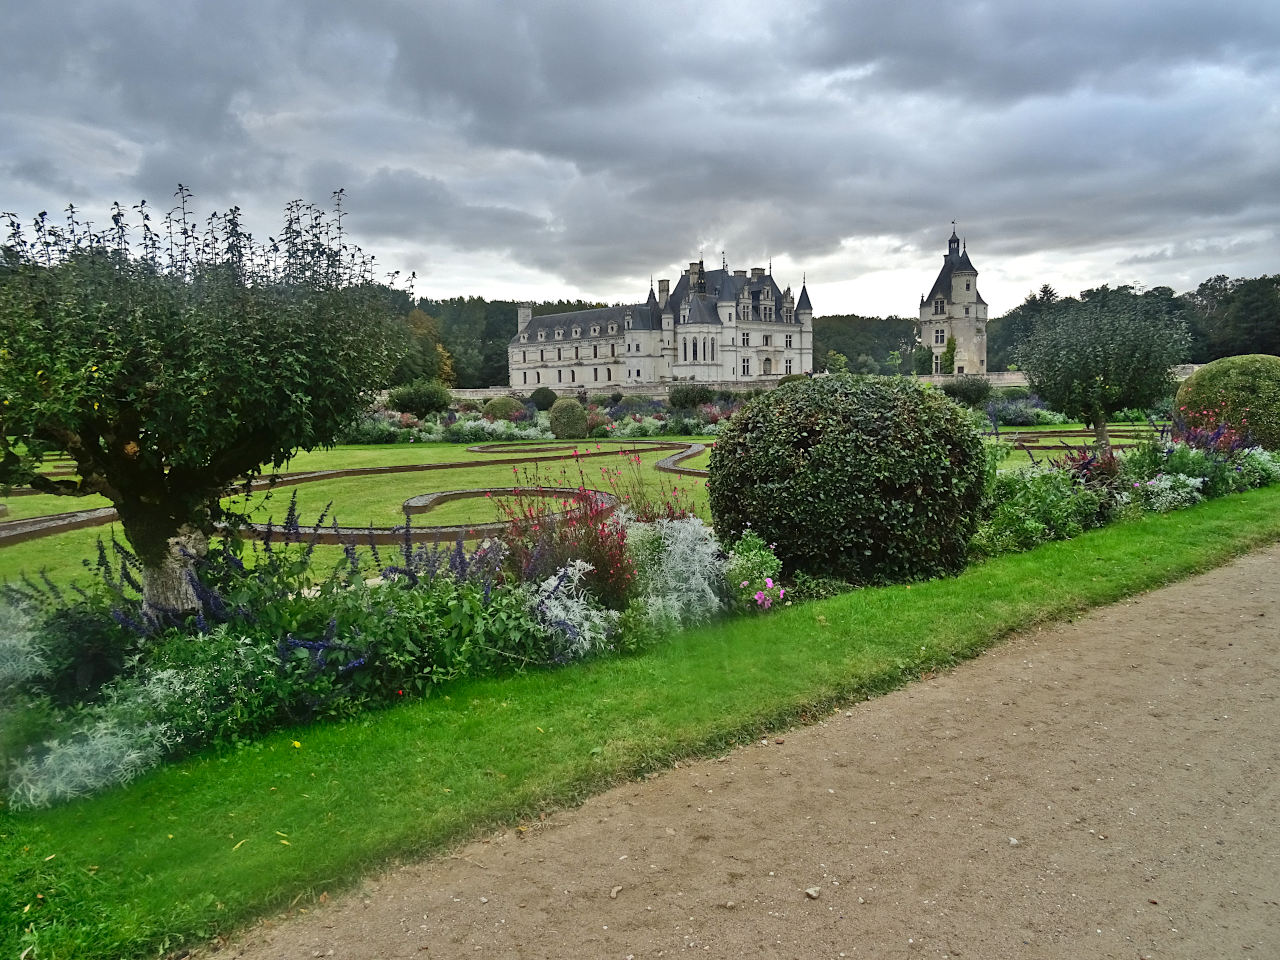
(584, 147)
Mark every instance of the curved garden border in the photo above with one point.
(19, 531)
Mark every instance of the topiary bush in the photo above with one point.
(503, 408)
(422, 398)
(689, 396)
(1243, 392)
(790, 377)
(870, 479)
(568, 419)
(543, 398)
(972, 391)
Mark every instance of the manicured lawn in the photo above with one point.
(358, 501)
(202, 846)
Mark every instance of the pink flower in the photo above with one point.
(744, 583)
(768, 582)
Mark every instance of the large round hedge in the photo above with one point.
(421, 398)
(1243, 391)
(543, 398)
(568, 419)
(871, 479)
(503, 408)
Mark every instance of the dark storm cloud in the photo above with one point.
(596, 143)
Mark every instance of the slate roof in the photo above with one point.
(644, 316)
(951, 263)
(803, 303)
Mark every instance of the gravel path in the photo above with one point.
(1104, 788)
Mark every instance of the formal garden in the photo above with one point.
(286, 662)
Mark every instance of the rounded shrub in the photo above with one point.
(869, 479)
(422, 398)
(568, 419)
(1242, 392)
(687, 396)
(503, 408)
(792, 377)
(1014, 392)
(972, 391)
(543, 398)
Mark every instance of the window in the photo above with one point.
(959, 369)
(595, 373)
(612, 349)
(573, 376)
(537, 378)
(746, 339)
(524, 338)
(937, 363)
(577, 331)
(595, 331)
(542, 335)
(559, 376)
(613, 328)
(608, 373)
(768, 339)
(787, 341)
(627, 323)
(966, 311)
(595, 351)
(788, 367)
(542, 355)
(684, 343)
(966, 284)
(713, 350)
(939, 306)
(559, 333)
(695, 349)
(524, 377)
(940, 336)
(524, 356)
(746, 366)
(559, 353)
(767, 367)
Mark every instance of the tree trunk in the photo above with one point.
(1100, 433)
(167, 585)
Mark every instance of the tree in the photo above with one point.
(1007, 332)
(836, 363)
(425, 357)
(1094, 357)
(169, 369)
(949, 356)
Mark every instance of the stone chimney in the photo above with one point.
(757, 273)
(524, 314)
(664, 293)
(739, 273)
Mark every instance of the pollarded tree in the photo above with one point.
(169, 365)
(1114, 350)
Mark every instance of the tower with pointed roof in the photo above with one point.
(954, 310)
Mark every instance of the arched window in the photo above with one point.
(684, 343)
(713, 349)
(695, 349)
(768, 366)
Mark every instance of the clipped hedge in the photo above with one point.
(543, 398)
(568, 419)
(971, 390)
(422, 398)
(870, 479)
(1241, 391)
(503, 408)
(688, 396)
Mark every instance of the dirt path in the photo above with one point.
(1105, 788)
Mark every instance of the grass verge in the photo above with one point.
(198, 848)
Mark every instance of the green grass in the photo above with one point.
(358, 501)
(196, 848)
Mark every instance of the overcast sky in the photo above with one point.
(540, 150)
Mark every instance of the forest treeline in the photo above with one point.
(463, 340)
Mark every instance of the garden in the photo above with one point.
(286, 664)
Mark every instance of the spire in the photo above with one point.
(724, 262)
(953, 243)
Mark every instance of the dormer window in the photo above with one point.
(542, 335)
(613, 328)
(577, 331)
(627, 322)
(595, 331)
(524, 338)
(940, 306)
(559, 333)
